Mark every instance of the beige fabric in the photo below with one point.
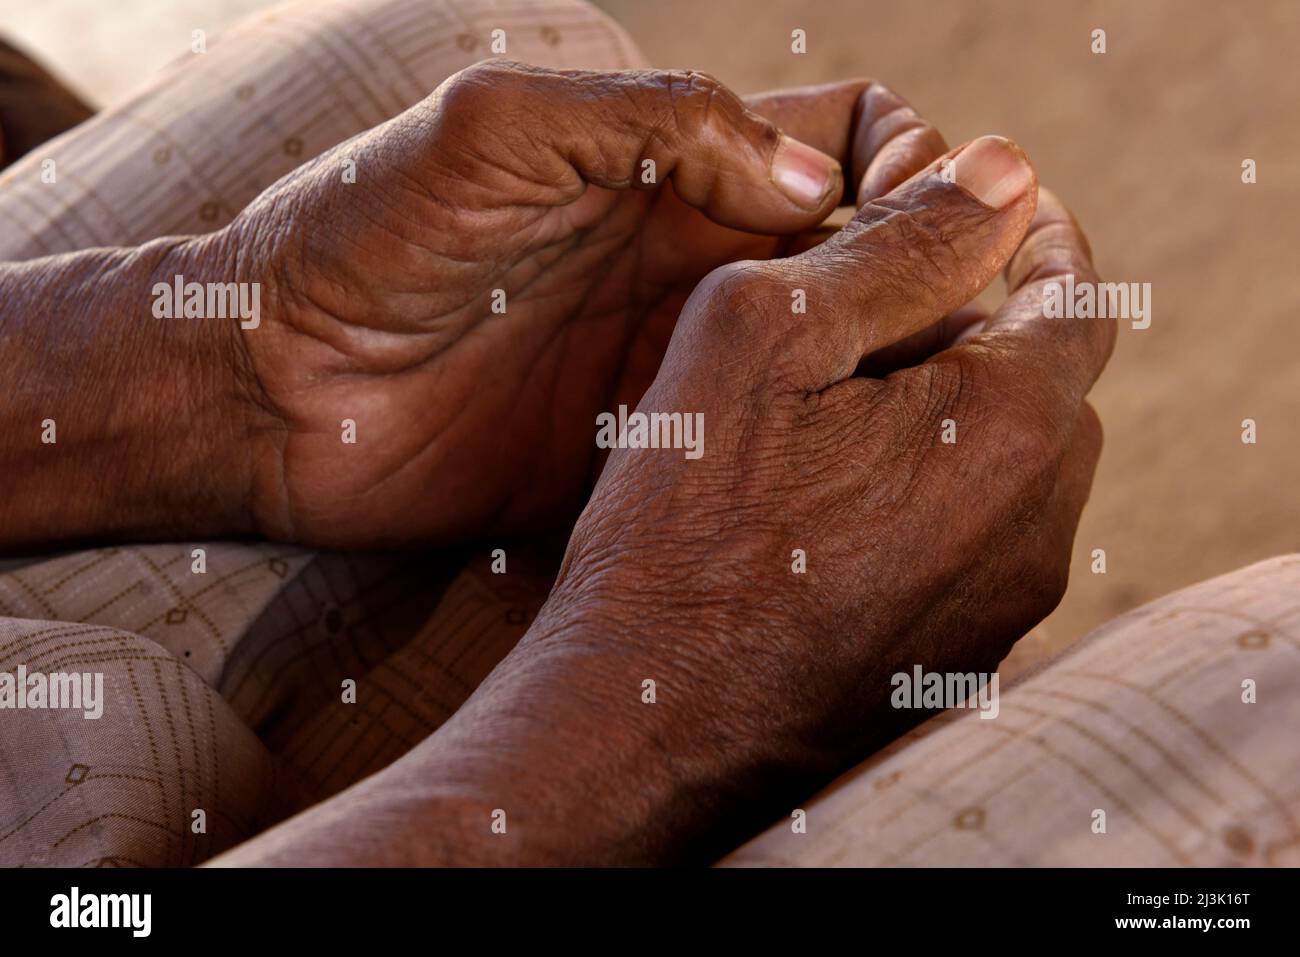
(217, 128)
(1144, 720)
(223, 690)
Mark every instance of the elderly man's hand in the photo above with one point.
(510, 262)
(839, 528)
(769, 676)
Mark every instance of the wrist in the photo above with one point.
(123, 424)
(226, 416)
(603, 721)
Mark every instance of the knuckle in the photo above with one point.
(936, 392)
(1024, 443)
(492, 71)
(950, 381)
(887, 114)
(697, 99)
(736, 307)
(742, 289)
(1008, 428)
(918, 404)
(469, 87)
(954, 386)
(478, 92)
(878, 100)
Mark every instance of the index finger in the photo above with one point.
(878, 138)
(1022, 339)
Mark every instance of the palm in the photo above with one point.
(470, 421)
(492, 413)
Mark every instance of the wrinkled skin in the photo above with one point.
(918, 551)
(823, 433)
(378, 295)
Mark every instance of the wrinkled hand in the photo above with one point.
(824, 433)
(379, 294)
(917, 551)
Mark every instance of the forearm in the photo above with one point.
(116, 423)
(558, 759)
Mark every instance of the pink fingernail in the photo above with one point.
(995, 170)
(803, 173)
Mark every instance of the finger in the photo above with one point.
(1053, 246)
(1019, 343)
(637, 129)
(895, 142)
(878, 139)
(909, 258)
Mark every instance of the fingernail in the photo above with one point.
(995, 170)
(804, 174)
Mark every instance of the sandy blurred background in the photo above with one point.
(1145, 143)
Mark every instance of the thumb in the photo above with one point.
(915, 255)
(557, 131)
